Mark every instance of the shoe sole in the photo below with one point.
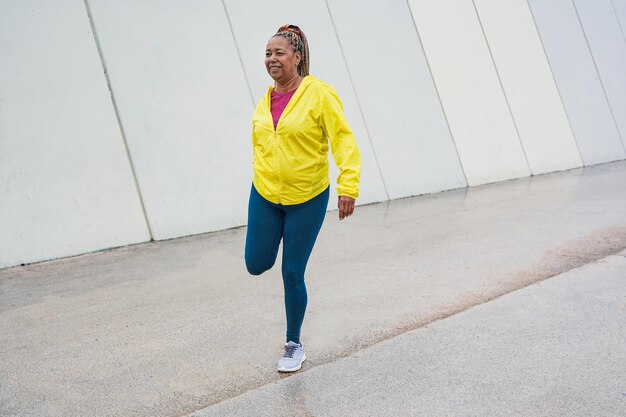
(293, 369)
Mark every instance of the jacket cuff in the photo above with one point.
(348, 193)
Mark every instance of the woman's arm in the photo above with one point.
(345, 152)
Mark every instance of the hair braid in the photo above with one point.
(297, 39)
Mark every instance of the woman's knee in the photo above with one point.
(258, 266)
(292, 276)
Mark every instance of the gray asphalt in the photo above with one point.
(170, 328)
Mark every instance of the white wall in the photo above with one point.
(526, 79)
(397, 96)
(66, 186)
(578, 81)
(479, 117)
(185, 108)
(439, 94)
(608, 49)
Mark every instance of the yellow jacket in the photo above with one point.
(291, 162)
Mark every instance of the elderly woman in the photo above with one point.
(292, 127)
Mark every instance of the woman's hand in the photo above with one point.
(346, 206)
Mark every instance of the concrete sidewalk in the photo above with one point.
(555, 348)
(169, 328)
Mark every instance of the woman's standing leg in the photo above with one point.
(265, 229)
(302, 225)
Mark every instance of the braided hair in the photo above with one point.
(297, 40)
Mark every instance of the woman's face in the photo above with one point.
(280, 59)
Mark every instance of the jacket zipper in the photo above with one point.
(278, 179)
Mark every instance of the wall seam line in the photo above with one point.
(118, 118)
(432, 77)
(506, 99)
(619, 23)
(358, 101)
(243, 68)
(556, 85)
(593, 59)
(621, 29)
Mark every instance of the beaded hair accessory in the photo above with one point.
(291, 28)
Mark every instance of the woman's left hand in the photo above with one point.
(346, 206)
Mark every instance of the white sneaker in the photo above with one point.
(292, 359)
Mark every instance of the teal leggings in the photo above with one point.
(298, 226)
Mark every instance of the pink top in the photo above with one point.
(278, 103)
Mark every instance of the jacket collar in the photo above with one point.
(306, 81)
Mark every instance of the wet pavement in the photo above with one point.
(415, 307)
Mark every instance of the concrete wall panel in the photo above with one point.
(66, 186)
(608, 48)
(185, 107)
(528, 84)
(578, 81)
(397, 96)
(254, 24)
(479, 117)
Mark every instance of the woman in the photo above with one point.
(292, 126)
